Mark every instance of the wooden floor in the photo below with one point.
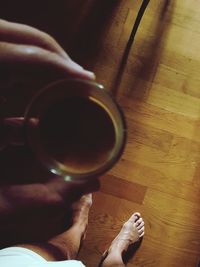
(158, 87)
(159, 91)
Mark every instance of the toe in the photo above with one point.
(138, 222)
(140, 225)
(141, 235)
(135, 216)
(86, 200)
(141, 231)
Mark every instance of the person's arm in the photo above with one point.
(32, 201)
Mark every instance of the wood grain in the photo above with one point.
(159, 172)
(158, 88)
(123, 189)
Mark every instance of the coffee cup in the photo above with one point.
(75, 128)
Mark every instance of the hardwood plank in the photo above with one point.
(159, 118)
(169, 164)
(170, 100)
(123, 189)
(149, 136)
(147, 176)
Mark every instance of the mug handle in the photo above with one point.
(11, 132)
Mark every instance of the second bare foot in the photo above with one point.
(130, 233)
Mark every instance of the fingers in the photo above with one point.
(72, 191)
(23, 34)
(27, 53)
(18, 199)
(22, 62)
(42, 198)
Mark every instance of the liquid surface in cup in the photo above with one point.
(78, 133)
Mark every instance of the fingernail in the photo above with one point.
(91, 75)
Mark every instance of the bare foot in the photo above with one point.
(80, 213)
(68, 243)
(131, 232)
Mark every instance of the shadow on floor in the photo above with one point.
(149, 63)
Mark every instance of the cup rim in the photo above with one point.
(53, 165)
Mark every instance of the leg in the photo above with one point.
(131, 232)
(66, 245)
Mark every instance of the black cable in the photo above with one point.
(122, 65)
(137, 21)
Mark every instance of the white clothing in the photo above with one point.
(23, 257)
